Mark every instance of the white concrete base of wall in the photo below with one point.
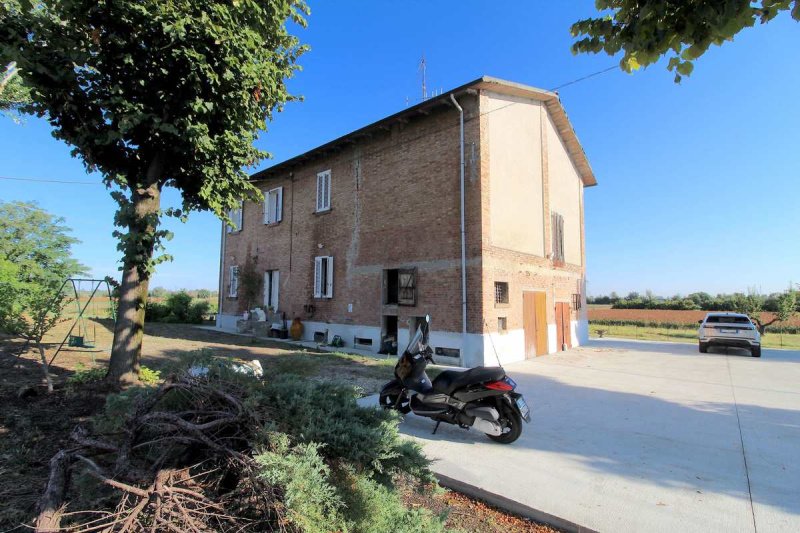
(488, 349)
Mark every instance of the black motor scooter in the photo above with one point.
(481, 397)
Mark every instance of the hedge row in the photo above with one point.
(678, 325)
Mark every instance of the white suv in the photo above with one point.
(729, 329)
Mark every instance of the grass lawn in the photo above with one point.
(688, 335)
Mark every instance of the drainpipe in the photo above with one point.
(221, 275)
(463, 239)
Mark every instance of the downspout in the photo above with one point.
(463, 239)
(221, 274)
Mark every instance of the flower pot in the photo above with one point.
(296, 329)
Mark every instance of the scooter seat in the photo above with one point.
(450, 381)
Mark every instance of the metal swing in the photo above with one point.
(81, 338)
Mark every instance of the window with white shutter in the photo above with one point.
(233, 282)
(273, 206)
(323, 277)
(236, 217)
(324, 191)
(271, 289)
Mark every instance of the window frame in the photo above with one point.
(269, 217)
(272, 289)
(238, 219)
(502, 325)
(233, 288)
(323, 275)
(557, 231)
(323, 193)
(497, 302)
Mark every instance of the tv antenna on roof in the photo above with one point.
(423, 68)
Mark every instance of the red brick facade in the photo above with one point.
(394, 203)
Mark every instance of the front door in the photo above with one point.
(564, 333)
(534, 323)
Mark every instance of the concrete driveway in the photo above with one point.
(644, 436)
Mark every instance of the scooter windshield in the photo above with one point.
(415, 345)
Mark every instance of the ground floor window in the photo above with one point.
(271, 289)
(233, 282)
(323, 277)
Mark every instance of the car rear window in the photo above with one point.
(728, 320)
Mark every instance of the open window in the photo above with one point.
(557, 225)
(271, 289)
(236, 217)
(324, 191)
(273, 206)
(400, 286)
(233, 282)
(323, 277)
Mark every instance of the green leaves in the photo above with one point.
(127, 81)
(646, 30)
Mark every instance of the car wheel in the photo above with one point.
(755, 351)
(703, 347)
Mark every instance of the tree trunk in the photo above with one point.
(126, 349)
(52, 501)
(45, 366)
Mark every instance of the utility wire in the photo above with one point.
(584, 78)
(37, 180)
(363, 154)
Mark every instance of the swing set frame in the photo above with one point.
(75, 340)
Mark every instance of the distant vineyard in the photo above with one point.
(664, 318)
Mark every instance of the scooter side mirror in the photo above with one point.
(426, 326)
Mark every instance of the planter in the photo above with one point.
(296, 329)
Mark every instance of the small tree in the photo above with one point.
(752, 305)
(35, 310)
(35, 259)
(250, 281)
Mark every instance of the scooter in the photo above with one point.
(482, 398)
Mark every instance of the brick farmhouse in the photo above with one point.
(362, 236)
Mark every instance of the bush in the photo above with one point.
(328, 413)
(321, 462)
(178, 308)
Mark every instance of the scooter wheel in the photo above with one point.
(511, 423)
(389, 401)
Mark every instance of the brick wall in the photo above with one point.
(394, 203)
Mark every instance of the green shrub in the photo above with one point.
(328, 413)
(178, 308)
(149, 376)
(83, 375)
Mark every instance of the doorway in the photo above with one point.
(389, 335)
(563, 327)
(534, 323)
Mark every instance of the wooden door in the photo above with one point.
(563, 331)
(534, 323)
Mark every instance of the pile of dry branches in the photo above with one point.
(182, 462)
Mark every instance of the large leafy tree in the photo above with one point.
(154, 94)
(646, 30)
(13, 93)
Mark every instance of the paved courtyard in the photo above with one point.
(644, 436)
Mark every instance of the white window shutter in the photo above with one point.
(266, 288)
(329, 285)
(320, 190)
(317, 277)
(276, 284)
(279, 206)
(266, 208)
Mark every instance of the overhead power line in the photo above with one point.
(578, 80)
(39, 180)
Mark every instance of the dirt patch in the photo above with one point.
(467, 514)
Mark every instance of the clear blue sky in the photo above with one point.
(698, 182)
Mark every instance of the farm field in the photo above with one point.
(665, 316)
(688, 335)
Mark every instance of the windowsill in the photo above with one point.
(234, 232)
(323, 212)
(502, 305)
(272, 224)
(232, 297)
(504, 332)
(323, 297)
